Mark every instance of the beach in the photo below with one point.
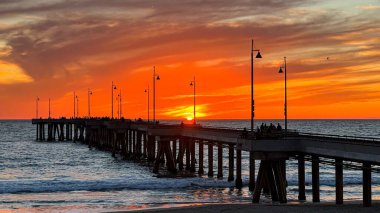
(263, 208)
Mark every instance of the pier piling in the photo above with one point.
(210, 160)
(230, 162)
(315, 178)
(367, 192)
(339, 181)
(220, 161)
(301, 178)
(200, 156)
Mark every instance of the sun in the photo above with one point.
(189, 118)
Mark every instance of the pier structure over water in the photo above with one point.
(171, 149)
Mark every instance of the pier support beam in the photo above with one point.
(230, 162)
(367, 192)
(181, 151)
(251, 171)
(270, 176)
(315, 178)
(164, 150)
(151, 148)
(192, 151)
(37, 132)
(174, 147)
(200, 156)
(220, 161)
(187, 150)
(301, 177)
(130, 143)
(210, 160)
(43, 132)
(238, 181)
(139, 144)
(145, 144)
(339, 181)
(113, 143)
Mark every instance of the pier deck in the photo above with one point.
(167, 146)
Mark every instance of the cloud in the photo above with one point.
(369, 7)
(79, 44)
(186, 111)
(12, 74)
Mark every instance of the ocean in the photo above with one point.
(70, 177)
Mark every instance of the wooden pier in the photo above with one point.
(172, 149)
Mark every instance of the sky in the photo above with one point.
(53, 48)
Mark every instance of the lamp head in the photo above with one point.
(191, 83)
(258, 54)
(114, 87)
(158, 77)
(146, 91)
(280, 71)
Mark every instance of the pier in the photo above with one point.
(174, 149)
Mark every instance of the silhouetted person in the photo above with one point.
(279, 128)
(272, 127)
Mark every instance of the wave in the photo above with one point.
(330, 180)
(47, 186)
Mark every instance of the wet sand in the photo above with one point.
(263, 208)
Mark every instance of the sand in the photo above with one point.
(240, 208)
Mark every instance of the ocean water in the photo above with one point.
(67, 176)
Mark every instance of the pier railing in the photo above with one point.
(341, 137)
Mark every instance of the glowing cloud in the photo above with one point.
(12, 74)
(186, 112)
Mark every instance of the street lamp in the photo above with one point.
(192, 83)
(120, 106)
(155, 78)
(37, 100)
(74, 105)
(49, 107)
(112, 89)
(147, 91)
(251, 157)
(77, 98)
(252, 91)
(89, 93)
(285, 104)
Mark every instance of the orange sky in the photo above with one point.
(52, 48)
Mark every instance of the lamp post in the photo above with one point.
(121, 108)
(285, 103)
(74, 105)
(192, 83)
(155, 77)
(147, 91)
(251, 154)
(89, 93)
(252, 82)
(77, 99)
(118, 105)
(37, 100)
(112, 89)
(49, 107)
